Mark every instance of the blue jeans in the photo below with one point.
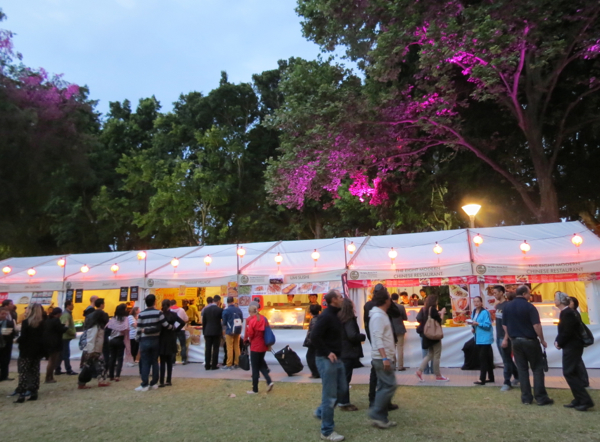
(386, 387)
(510, 369)
(149, 359)
(333, 378)
(182, 343)
(424, 352)
(66, 356)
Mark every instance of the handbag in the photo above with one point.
(244, 361)
(269, 336)
(586, 335)
(544, 360)
(433, 329)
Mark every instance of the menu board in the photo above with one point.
(69, 295)
(459, 298)
(305, 288)
(134, 293)
(44, 298)
(78, 296)
(123, 294)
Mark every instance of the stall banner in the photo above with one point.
(134, 293)
(3, 296)
(432, 282)
(345, 289)
(537, 269)
(536, 279)
(69, 295)
(305, 288)
(78, 296)
(298, 279)
(44, 298)
(123, 293)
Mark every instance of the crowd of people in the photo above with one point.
(333, 341)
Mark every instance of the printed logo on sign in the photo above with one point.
(354, 274)
(481, 269)
(69, 285)
(244, 279)
(151, 283)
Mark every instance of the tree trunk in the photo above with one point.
(548, 211)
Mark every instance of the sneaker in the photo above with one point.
(515, 383)
(154, 387)
(442, 378)
(252, 392)
(226, 367)
(72, 373)
(333, 437)
(140, 388)
(506, 387)
(419, 375)
(549, 401)
(131, 364)
(270, 387)
(236, 367)
(383, 425)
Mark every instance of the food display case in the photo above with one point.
(288, 316)
(411, 313)
(548, 312)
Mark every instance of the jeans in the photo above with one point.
(149, 359)
(183, 344)
(571, 358)
(429, 368)
(333, 379)
(386, 387)
(233, 349)
(486, 362)
(66, 356)
(528, 353)
(211, 352)
(258, 364)
(310, 361)
(116, 348)
(510, 369)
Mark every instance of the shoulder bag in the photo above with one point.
(586, 335)
(433, 329)
(269, 335)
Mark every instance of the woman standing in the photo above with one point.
(118, 341)
(352, 340)
(433, 347)
(135, 345)
(314, 310)
(31, 350)
(168, 343)
(484, 337)
(255, 335)
(53, 331)
(569, 341)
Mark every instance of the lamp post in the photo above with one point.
(471, 210)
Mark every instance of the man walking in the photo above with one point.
(510, 369)
(382, 358)
(67, 319)
(181, 334)
(150, 323)
(521, 323)
(233, 320)
(399, 331)
(326, 337)
(212, 331)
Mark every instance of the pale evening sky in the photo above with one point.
(138, 48)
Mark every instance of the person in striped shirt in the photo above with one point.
(149, 324)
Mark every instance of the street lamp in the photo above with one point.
(471, 210)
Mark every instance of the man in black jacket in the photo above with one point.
(212, 331)
(393, 312)
(326, 337)
(570, 342)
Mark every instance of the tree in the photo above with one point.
(513, 82)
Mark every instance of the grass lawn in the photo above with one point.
(201, 410)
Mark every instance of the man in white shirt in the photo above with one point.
(383, 351)
(181, 336)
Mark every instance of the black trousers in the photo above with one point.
(5, 359)
(135, 348)
(310, 361)
(571, 358)
(166, 362)
(211, 352)
(583, 374)
(486, 362)
(258, 364)
(528, 353)
(117, 351)
(372, 385)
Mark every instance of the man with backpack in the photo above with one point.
(233, 320)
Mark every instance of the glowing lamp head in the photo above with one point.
(315, 255)
(577, 240)
(6, 270)
(351, 248)
(471, 209)
(61, 262)
(278, 259)
(31, 272)
(241, 252)
(392, 254)
(141, 255)
(437, 249)
(525, 247)
(84, 268)
(478, 240)
(175, 262)
(207, 260)
(114, 268)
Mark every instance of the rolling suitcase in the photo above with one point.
(289, 360)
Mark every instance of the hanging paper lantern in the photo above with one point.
(437, 249)
(61, 262)
(392, 254)
(278, 259)
(241, 252)
(6, 270)
(175, 262)
(525, 247)
(84, 269)
(478, 240)
(351, 248)
(207, 260)
(315, 255)
(577, 240)
(114, 268)
(31, 272)
(141, 255)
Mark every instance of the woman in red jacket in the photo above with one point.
(255, 335)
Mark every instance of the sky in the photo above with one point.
(132, 49)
